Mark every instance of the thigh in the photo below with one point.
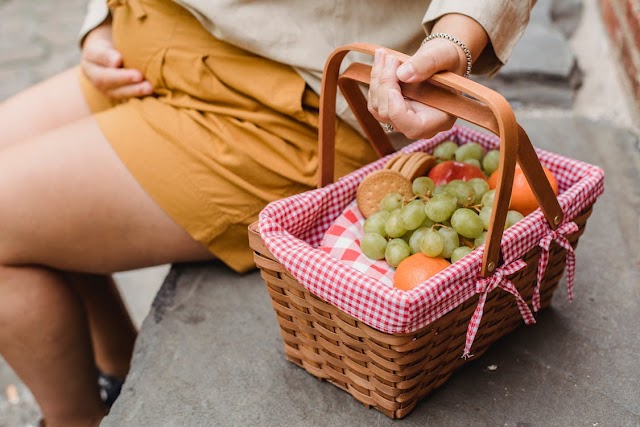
(40, 108)
(68, 202)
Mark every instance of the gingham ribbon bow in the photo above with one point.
(559, 236)
(488, 284)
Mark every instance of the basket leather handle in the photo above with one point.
(448, 101)
(489, 110)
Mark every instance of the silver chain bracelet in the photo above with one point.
(456, 41)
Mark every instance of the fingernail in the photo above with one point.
(405, 71)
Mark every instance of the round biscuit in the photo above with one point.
(409, 165)
(378, 184)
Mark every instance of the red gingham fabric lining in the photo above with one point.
(342, 241)
(292, 229)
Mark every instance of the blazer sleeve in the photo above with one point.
(97, 12)
(503, 20)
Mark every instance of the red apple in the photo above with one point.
(449, 170)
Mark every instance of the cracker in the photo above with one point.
(420, 165)
(378, 184)
(414, 158)
(394, 159)
(402, 159)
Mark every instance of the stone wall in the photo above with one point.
(622, 19)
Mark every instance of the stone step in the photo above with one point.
(542, 70)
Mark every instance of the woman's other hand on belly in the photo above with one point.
(102, 64)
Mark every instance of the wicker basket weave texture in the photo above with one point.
(392, 372)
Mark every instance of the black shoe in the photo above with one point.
(110, 388)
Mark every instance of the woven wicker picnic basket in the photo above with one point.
(390, 348)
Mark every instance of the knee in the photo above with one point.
(9, 217)
(29, 295)
(18, 227)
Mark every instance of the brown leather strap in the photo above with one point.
(492, 113)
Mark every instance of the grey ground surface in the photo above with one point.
(210, 352)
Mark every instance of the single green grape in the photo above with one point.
(407, 236)
(394, 227)
(451, 241)
(478, 241)
(416, 238)
(487, 198)
(471, 150)
(391, 202)
(373, 245)
(375, 223)
(440, 207)
(467, 223)
(445, 150)
(413, 214)
(460, 252)
(463, 191)
(491, 161)
(512, 218)
(431, 243)
(474, 162)
(480, 187)
(485, 216)
(440, 189)
(397, 250)
(423, 186)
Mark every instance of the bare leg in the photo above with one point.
(69, 205)
(112, 330)
(45, 338)
(31, 113)
(53, 103)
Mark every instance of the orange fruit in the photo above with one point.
(522, 198)
(416, 269)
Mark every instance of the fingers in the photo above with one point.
(101, 52)
(137, 90)
(416, 120)
(106, 78)
(383, 78)
(385, 101)
(117, 83)
(376, 69)
(436, 55)
(102, 64)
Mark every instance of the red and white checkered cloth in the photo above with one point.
(292, 229)
(342, 241)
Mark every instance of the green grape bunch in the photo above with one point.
(448, 220)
